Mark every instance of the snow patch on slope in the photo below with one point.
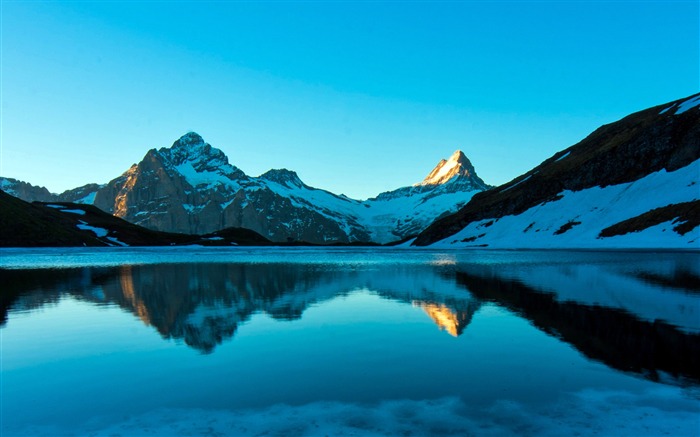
(689, 104)
(413, 212)
(563, 156)
(99, 232)
(208, 179)
(88, 200)
(686, 105)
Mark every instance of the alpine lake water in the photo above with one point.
(348, 341)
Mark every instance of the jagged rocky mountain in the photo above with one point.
(632, 183)
(192, 188)
(32, 193)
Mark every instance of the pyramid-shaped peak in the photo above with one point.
(460, 157)
(457, 166)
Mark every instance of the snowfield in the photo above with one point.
(587, 213)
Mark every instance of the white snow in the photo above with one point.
(378, 216)
(691, 103)
(561, 157)
(679, 108)
(191, 208)
(74, 211)
(99, 232)
(516, 184)
(88, 200)
(62, 209)
(209, 179)
(444, 171)
(418, 210)
(116, 241)
(596, 208)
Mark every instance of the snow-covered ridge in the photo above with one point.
(200, 163)
(576, 218)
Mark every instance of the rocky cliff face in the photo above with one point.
(31, 193)
(180, 189)
(648, 161)
(25, 191)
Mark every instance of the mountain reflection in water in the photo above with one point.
(636, 320)
(203, 304)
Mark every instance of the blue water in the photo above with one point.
(300, 341)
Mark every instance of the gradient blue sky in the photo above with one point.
(357, 97)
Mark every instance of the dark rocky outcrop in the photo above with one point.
(68, 224)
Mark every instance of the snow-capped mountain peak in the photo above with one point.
(200, 163)
(192, 148)
(457, 172)
(284, 177)
(457, 165)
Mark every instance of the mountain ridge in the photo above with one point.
(192, 188)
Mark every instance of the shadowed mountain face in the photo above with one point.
(636, 318)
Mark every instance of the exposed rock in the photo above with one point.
(25, 191)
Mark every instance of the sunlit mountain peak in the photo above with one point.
(447, 319)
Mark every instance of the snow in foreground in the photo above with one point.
(659, 411)
(590, 211)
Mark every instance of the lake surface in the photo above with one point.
(299, 341)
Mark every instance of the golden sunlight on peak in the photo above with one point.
(444, 317)
(127, 285)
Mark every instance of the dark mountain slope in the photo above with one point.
(27, 225)
(67, 224)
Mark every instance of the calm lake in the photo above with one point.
(356, 341)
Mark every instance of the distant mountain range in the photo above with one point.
(631, 183)
(192, 188)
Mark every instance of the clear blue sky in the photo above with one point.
(357, 97)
